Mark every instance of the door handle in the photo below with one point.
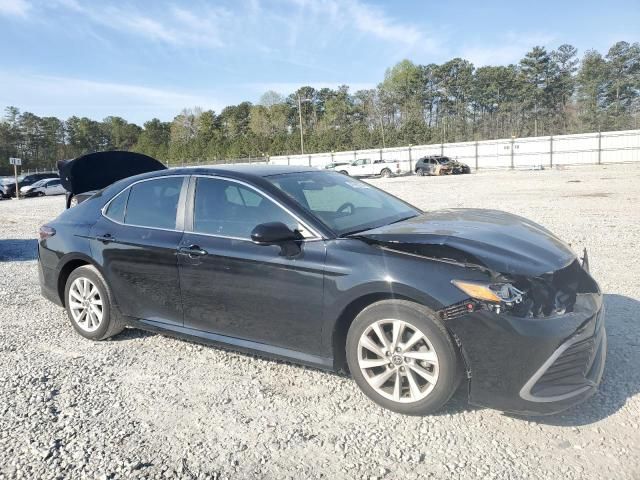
(192, 251)
(106, 238)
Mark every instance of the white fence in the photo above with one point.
(524, 153)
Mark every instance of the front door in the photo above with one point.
(136, 244)
(233, 287)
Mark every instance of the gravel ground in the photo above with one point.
(148, 406)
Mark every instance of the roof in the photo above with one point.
(244, 170)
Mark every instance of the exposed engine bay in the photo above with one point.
(549, 294)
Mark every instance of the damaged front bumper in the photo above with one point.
(533, 365)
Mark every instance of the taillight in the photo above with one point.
(46, 231)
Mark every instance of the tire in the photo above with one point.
(110, 323)
(385, 173)
(435, 343)
(420, 172)
(40, 194)
(344, 172)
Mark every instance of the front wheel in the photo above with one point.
(344, 172)
(402, 357)
(89, 304)
(420, 172)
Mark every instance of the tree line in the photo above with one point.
(546, 93)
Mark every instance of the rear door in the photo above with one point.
(54, 187)
(369, 167)
(136, 241)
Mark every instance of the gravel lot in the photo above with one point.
(148, 406)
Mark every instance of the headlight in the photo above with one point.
(490, 292)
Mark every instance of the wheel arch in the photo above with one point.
(351, 311)
(68, 265)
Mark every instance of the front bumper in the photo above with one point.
(533, 366)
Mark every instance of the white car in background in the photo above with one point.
(366, 167)
(48, 186)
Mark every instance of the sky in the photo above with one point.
(151, 58)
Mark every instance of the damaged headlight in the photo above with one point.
(491, 292)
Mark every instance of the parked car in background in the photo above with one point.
(4, 182)
(25, 180)
(315, 267)
(366, 167)
(440, 165)
(48, 186)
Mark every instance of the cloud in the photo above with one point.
(373, 20)
(367, 19)
(176, 26)
(66, 96)
(14, 8)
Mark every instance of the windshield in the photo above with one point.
(342, 203)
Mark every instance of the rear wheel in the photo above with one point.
(402, 357)
(386, 173)
(89, 304)
(420, 172)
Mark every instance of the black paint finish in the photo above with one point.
(293, 302)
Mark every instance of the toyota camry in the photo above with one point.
(317, 268)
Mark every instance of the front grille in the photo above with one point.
(574, 370)
(570, 368)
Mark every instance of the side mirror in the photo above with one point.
(273, 233)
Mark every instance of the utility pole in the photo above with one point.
(382, 130)
(301, 133)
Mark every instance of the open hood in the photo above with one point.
(95, 171)
(499, 241)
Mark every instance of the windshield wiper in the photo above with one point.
(360, 230)
(353, 232)
(402, 219)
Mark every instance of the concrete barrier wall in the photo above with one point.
(548, 151)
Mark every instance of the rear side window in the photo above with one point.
(115, 210)
(154, 203)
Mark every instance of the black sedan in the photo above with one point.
(324, 270)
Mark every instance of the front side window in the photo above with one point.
(342, 203)
(154, 203)
(230, 209)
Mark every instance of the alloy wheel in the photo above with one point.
(398, 360)
(85, 304)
